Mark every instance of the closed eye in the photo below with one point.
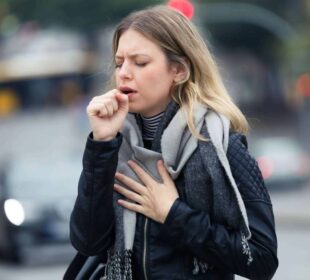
(141, 64)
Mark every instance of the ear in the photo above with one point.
(180, 71)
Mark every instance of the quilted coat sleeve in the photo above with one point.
(220, 246)
(92, 218)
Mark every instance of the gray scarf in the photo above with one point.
(177, 145)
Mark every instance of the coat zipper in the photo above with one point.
(144, 248)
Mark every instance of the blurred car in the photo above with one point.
(36, 198)
(282, 161)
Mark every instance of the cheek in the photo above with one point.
(164, 84)
(117, 79)
(161, 80)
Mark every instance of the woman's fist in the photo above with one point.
(107, 114)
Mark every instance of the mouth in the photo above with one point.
(127, 90)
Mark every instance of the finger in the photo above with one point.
(109, 109)
(103, 111)
(163, 172)
(111, 93)
(110, 104)
(131, 206)
(122, 100)
(106, 96)
(94, 109)
(114, 104)
(132, 184)
(141, 173)
(133, 196)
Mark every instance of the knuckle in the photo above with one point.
(89, 108)
(109, 103)
(111, 93)
(94, 99)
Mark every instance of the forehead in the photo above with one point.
(132, 42)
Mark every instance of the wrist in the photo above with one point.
(168, 210)
(100, 138)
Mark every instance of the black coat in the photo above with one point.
(165, 251)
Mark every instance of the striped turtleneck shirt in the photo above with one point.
(149, 126)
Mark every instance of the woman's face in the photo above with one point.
(142, 72)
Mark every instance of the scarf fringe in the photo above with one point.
(199, 266)
(202, 267)
(119, 266)
(246, 250)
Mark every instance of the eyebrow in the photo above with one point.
(134, 55)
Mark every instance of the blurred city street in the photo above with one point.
(50, 269)
(49, 272)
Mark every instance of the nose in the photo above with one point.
(125, 72)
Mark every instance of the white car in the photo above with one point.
(283, 161)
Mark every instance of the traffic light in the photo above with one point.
(184, 6)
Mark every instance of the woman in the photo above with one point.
(158, 192)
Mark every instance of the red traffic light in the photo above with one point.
(183, 6)
(303, 85)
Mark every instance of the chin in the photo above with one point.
(136, 110)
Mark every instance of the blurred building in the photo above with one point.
(41, 68)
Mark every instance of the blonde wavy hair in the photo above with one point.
(181, 43)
